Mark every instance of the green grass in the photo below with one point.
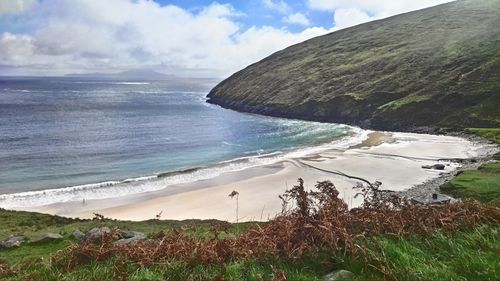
(464, 255)
(483, 184)
(395, 104)
(173, 271)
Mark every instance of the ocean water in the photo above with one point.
(66, 139)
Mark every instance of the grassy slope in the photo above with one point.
(483, 184)
(433, 67)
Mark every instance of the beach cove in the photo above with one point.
(394, 159)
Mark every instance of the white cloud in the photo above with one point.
(297, 18)
(348, 13)
(15, 48)
(91, 35)
(277, 5)
(385, 7)
(349, 17)
(16, 6)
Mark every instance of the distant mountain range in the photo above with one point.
(173, 82)
(432, 68)
(137, 74)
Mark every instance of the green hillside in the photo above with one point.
(436, 67)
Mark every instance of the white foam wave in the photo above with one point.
(112, 83)
(113, 189)
(16, 90)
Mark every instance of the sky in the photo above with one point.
(197, 38)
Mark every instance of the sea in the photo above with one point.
(68, 139)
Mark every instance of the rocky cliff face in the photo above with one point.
(437, 67)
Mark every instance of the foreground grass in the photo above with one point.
(469, 254)
(448, 253)
(465, 255)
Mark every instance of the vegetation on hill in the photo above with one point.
(386, 239)
(437, 67)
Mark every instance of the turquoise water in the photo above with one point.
(66, 139)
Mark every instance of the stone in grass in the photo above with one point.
(12, 241)
(341, 274)
(132, 234)
(78, 235)
(130, 237)
(127, 241)
(96, 233)
(49, 237)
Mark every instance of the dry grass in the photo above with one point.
(5, 269)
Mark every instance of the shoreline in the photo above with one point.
(397, 157)
(157, 182)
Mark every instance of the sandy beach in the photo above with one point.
(395, 159)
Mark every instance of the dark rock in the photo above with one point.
(434, 167)
(49, 237)
(438, 167)
(339, 275)
(78, 235)
(12, 241)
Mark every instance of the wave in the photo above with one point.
(12, 139)
(15, 90)
(131, 186)
(112, 83)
